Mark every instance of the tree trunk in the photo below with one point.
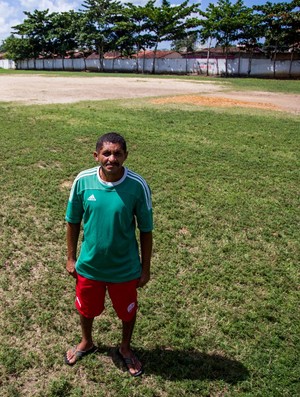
(101, 59)
(250, 63)
(226, 62)
(291, 63)
(207, 58)
(154, 59)
(137, 59)
(144, 60)
(186, 64)
(274, 62)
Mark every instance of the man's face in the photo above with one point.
(111, 158)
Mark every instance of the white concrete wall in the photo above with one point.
(215, 66)
(7, 64)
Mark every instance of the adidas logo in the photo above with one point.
(92, 198)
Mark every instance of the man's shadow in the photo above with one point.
(180, 364)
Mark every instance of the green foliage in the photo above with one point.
(280, 24)
(133, 29)
(36, 29)
(99, 19)
(170, 22)
(224, 22)
(186, 44)
(63, 32)
(17, 48)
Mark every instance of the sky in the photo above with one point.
(11, 11)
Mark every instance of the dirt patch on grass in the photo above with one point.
(46, 89)
(201, 100)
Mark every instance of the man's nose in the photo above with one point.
(112, 157)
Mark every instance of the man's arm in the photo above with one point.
(73, 230)
(146, 252)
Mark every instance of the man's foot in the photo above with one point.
(132, 363)
(74, 354)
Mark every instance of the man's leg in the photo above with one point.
(124, 299)
(86, 329)
(127, 331)
(128, 326)
(86, 341)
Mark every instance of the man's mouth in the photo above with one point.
(110, 165)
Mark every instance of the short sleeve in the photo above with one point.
(144, 213)
(74, 210)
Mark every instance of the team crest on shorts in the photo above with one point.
(130, 307)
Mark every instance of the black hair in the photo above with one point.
(112, 137)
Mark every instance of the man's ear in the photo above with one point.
(95, 154)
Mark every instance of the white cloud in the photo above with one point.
(7, 18)
(6, 10)
(53, 6)
(11, 13)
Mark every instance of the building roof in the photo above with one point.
(159, 54)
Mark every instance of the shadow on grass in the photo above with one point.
(180, 365)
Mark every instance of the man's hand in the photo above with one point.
(145, 277)
(73, 230)
(71, 267)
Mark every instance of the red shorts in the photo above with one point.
(90, 297)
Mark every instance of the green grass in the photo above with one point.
(220, 315)
(269, 85)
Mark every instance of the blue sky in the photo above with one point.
(11, 11)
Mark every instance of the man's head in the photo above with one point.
(111, 137)
(111, 152)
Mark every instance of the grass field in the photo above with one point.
(220, 316)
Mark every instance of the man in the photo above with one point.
(110, 200)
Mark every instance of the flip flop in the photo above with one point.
(129, 361)
(78, 354)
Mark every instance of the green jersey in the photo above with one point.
(110, 212)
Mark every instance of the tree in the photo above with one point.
(223, 23)
(133, 31)
(17, 48)
(281, 27)
(292, 23)
(170, 22)
(249, 33)
(36, 29)
(62, 35)
(188, 43)
(97, 25)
